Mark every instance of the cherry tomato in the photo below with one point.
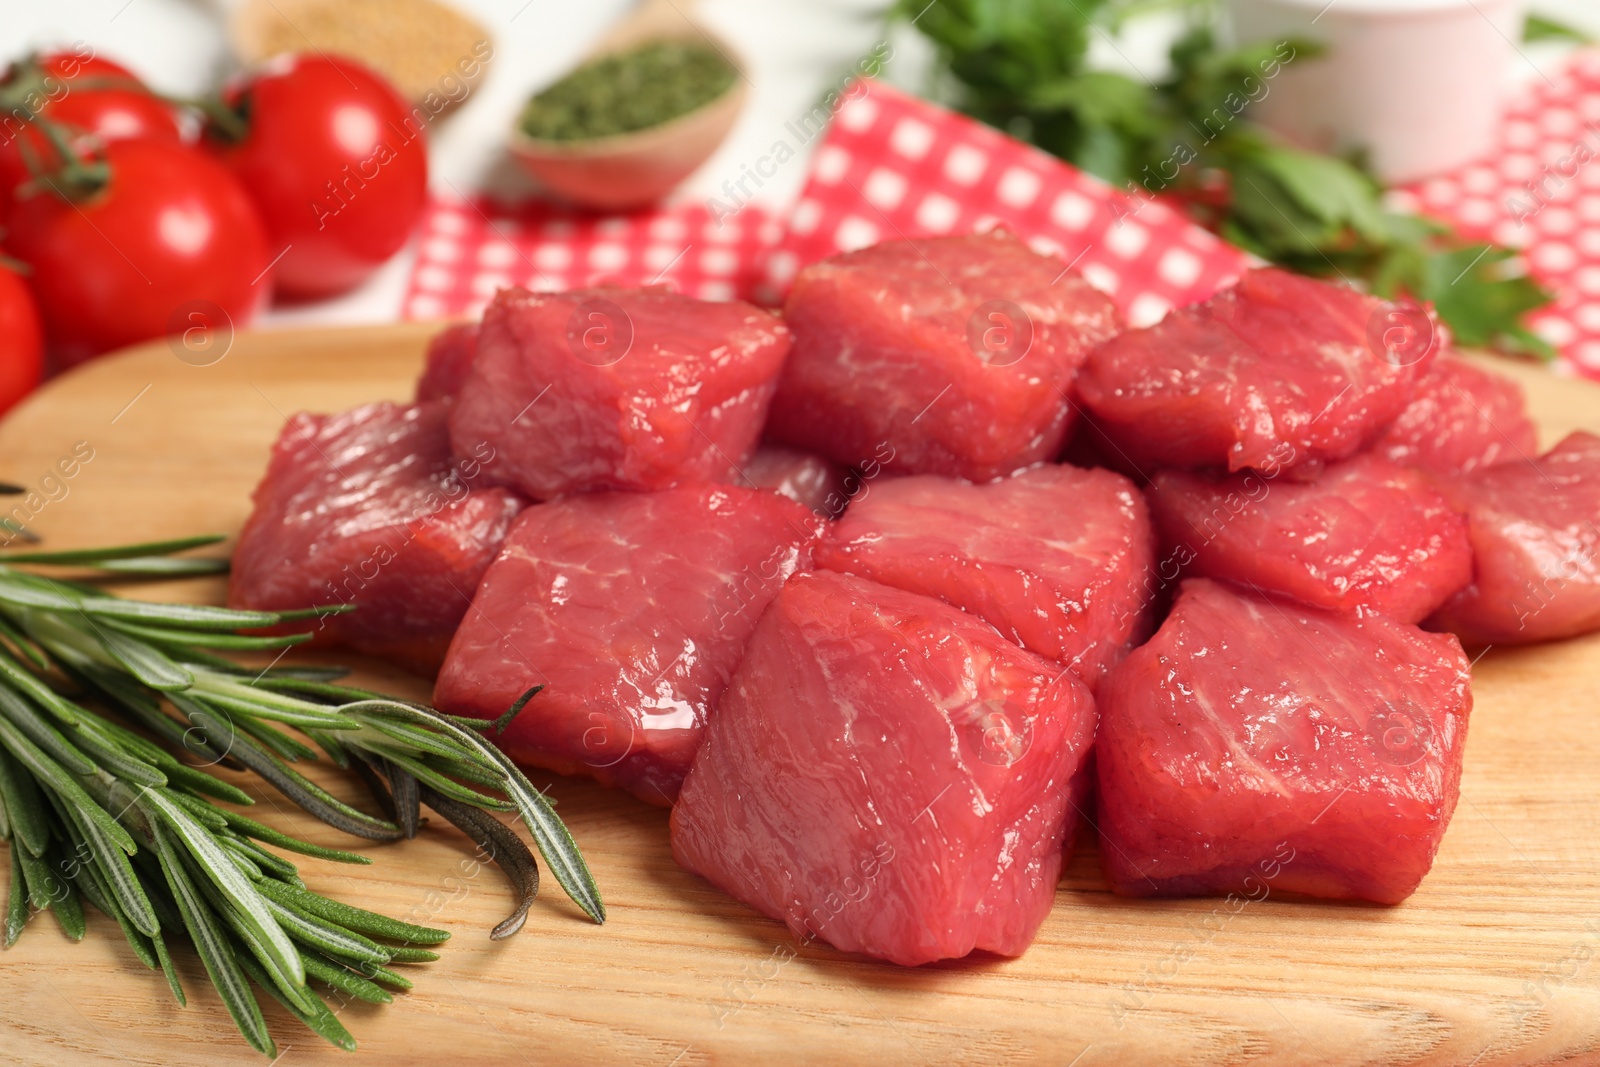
(171, 233)
(21, 340)
(337, 164)
(78, 91)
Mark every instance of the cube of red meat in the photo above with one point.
(956, 352)
(816, 482)
(632, 609)
(1058, 559)
(1277, 370)
(368, 508)
(1255, 746)
(1366, 535)
(1535, 548)
(1462, 419)
(887, 773)
(449, 358)
(617, 388)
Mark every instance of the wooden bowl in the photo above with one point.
(432, 53)
(631, 169)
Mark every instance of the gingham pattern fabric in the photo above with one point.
(1540, 193)
(890, 165)
(896, 166)
(469, 249)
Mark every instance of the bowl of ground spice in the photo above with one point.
(640, 114)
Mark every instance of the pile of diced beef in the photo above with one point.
(822, 582)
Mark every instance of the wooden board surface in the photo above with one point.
(1496, 960)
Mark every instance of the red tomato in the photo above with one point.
(172, 231)
(75, 90)
(337, 164)
(21, 341)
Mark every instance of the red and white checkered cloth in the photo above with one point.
(893, 165)
(1540, 193)
(469, 249)
(890, 165)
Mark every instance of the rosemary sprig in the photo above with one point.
(96, 811)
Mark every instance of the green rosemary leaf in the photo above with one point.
(406, 954)
(250, 909)
(23, 643)
(216, 952)
(164, 957)
(409, 736)
(210, 817)
(241, 859)
(88, 880)
(51, 775)
(116, 873)
(265, 704)
(193, 782)
(318, 1019)
(502, 846)
(271, 737)
(332, 974)
(13, 673)
(454, 790)
(159, 567)
(352, 918)
(317, 612)
(407, 799)
(20, 590)
(549, 832)
(118, 552)
(160, 635)
(63, 901)
(383, 974)
(250, 940)
(195, 616)
(338, 755)
(473, 770)
(16, 898)
(146, 662)
(260, 832)
(24, 806)
(276, 865)
(302, 790)
(324, 935)
(43, 734)
(500, 724)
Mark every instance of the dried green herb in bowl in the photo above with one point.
(630, 90)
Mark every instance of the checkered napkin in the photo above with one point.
(890, 165)
(1540, 193)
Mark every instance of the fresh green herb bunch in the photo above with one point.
(96, 811)
(1022, 65)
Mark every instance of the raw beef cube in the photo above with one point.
(1365, 535)
(632, 609)
(1058, 559)
(1535, 548)
(1257, 746)
(368, 508)
(956, 352)
(617, 388)
(1277, 370)
(449, 358)
(887, 773)
(817, 483)
(1463, 419)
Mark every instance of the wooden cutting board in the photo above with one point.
(1496, 960)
